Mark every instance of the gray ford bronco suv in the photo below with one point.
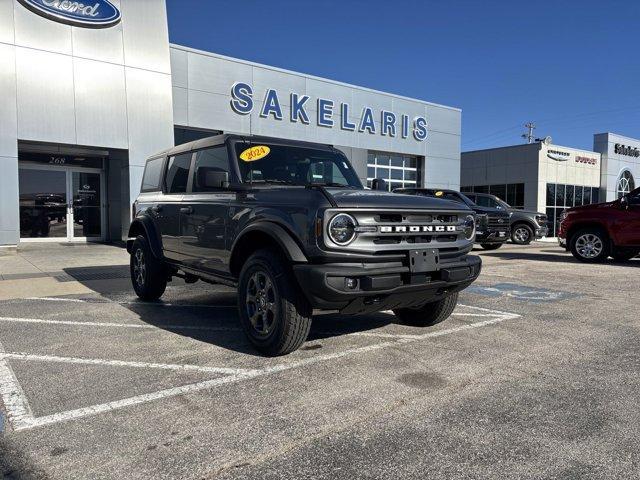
(290, 226)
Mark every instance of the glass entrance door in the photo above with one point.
(43, 203)
(60, 203)
(86, 207)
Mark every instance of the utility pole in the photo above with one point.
(529, 136)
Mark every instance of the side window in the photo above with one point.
(178, 173)
(471, 197)
(210, 160)
(152, 175)
(326, 172)
(484, 201)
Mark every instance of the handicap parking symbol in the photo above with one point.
(521, 292)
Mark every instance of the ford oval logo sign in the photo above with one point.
(87, 13)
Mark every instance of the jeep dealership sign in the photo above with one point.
(389, 123)
(89, 13)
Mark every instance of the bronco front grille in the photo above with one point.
(388, 231)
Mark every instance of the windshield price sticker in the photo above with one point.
(439, 194)
(255, 153)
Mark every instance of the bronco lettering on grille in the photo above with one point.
(418, 228)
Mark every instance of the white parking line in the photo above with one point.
(119, 325)
(21, 417)
(137, 303)
(123, 363)
(15, 401)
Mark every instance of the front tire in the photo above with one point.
(590, 245)
(522, 234)
(430, 314)
(491, 246)
(274, 313)
(148, 274)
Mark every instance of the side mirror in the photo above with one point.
(379, 184)
(210, 178)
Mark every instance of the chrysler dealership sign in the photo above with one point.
(383, 122)
(93, 13)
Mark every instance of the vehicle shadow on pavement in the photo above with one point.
(221, 326)
(205, 314)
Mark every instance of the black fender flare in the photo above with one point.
(145, 224)
(282, 237)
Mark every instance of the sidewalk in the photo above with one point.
(48, 269)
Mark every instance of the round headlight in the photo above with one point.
(342, 229)
(469, 226)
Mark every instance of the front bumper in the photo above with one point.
(381, 287)
(541, 232)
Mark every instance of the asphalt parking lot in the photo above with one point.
(536, 375)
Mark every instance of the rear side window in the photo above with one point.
(178, 173)
(152, 175)
(211, 159)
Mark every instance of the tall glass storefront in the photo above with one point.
(560, 197)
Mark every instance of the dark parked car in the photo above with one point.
(492, 224)
(595, 232)
(290, 226)
(526, 225)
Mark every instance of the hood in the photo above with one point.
(592, 206)
(346, 198)
(528, 212)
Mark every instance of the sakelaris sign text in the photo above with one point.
(389, 124)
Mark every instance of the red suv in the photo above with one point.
(595, 232)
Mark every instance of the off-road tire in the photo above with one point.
(430, 314)
(579, 251)
(149, 279)
(291, 314)
(522, 234)
(624, 255)
(491, 246)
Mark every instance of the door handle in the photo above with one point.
(186, 210)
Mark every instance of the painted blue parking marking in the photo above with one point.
(521, 292)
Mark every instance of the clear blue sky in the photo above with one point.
(572, 67)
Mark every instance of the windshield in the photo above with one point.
(294, 166)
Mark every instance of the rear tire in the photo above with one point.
(491, 246)
(148, 274)
(274, 313)
(430, 314)
(522, 234)
(624, 255)
(590, 245)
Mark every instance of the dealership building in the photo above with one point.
(90, 91)
(548, 178)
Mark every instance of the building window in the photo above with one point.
(397, 170)
(625, 184)
(560, 197)
(512, 193)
